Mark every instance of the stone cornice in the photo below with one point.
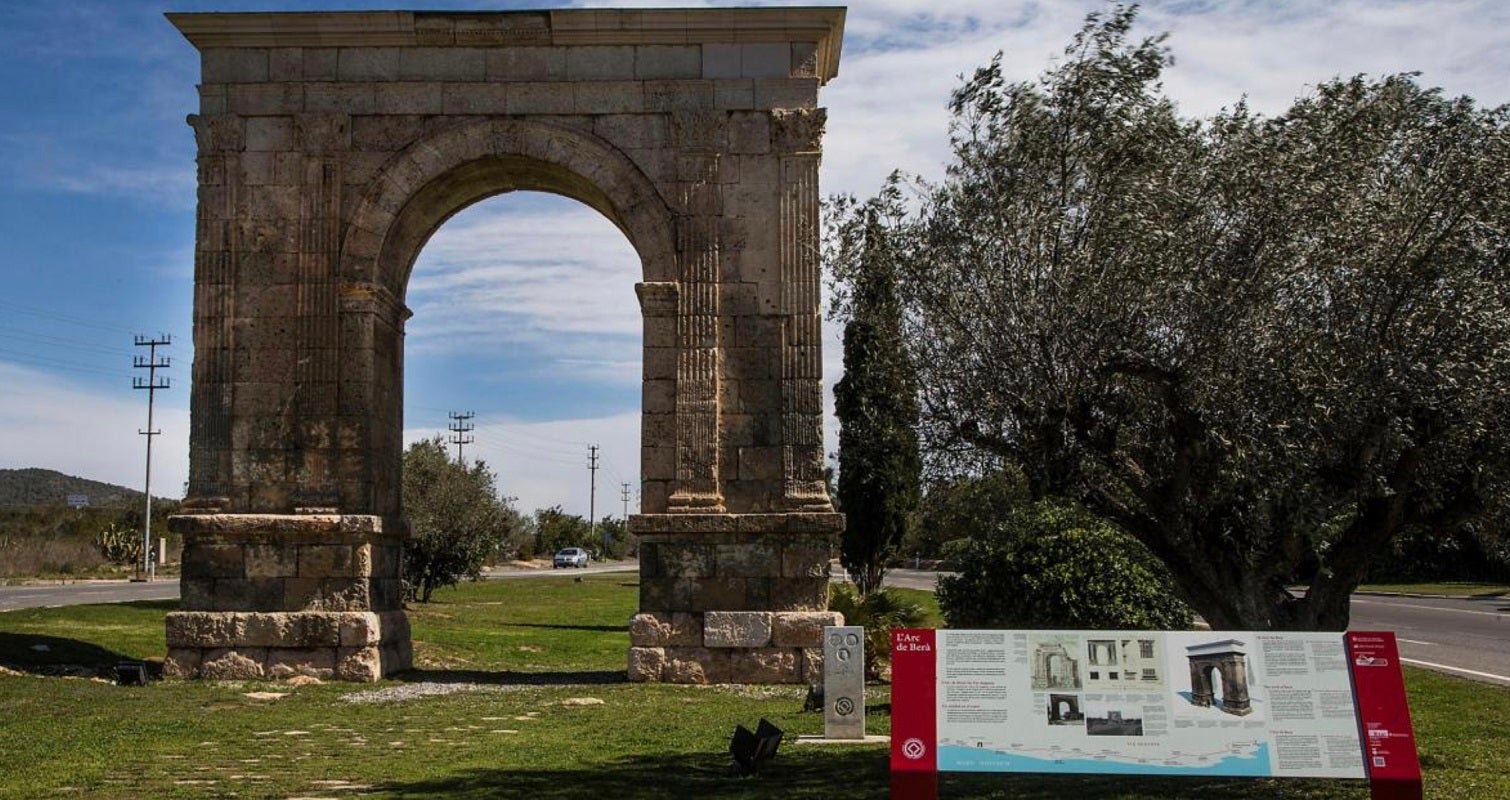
(821, 25)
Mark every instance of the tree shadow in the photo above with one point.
(813, 771)
(511, 678)
(56, 656)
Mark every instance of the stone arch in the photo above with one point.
(421, 187)
(330, 148)
(1220, 666)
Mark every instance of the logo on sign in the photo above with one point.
(844, 706)
(914, 749)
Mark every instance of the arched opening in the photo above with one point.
(525, 322)
(435, 179)
(1214, 680)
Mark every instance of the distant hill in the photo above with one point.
(44, 487)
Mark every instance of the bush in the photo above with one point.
(1050, 565)
(879, 612)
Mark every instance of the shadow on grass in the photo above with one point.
(813, 771)
(507, 678)
(592, 628)
(54, 655)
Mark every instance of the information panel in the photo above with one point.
(1197, 703)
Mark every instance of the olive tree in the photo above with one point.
(1250, 342)
(456, 518)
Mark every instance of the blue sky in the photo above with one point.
(524, 304)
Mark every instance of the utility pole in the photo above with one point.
(152, 383)
(592, 496)
(461, 426)
(624, 495)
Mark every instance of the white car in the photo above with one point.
(570, 557)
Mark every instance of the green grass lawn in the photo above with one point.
(532, 647)
(1445, 589)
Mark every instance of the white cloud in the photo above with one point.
(53, 423)
(531, 271)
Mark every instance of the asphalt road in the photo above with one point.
(1466, 637)
(1470, 638)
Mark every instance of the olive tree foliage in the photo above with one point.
(876, 400)
(1251, 342)
(1051, 565)
(456, 519)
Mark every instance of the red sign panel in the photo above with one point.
(1389, 742)
(914, 715)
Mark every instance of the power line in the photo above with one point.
(460, 426)
(152, 383)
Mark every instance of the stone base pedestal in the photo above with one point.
(278, 595)
(732, 598)
(340, 645)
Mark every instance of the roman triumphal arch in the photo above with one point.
(331, 145)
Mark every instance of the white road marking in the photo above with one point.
(1430, 608)
(1415, 641)
(1474, 672)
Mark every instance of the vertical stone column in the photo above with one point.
(216, 253)
(660, 304)
(795, 136)
(698, 138)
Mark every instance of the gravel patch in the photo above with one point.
(414, 691)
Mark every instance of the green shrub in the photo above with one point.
(880, 612)
(1049, 565)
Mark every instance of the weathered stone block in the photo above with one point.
(752, 560)
(696, 665)
(224, 664)
(345, 98)
(810, 662)
(541, 98)
(666, 594)
(764, 665)
(799, 594)
(360, 664)
(663, 629)
(325, 561)
(213, 560)
(264, 98)
(608, 97)
(599, 62)
(791, 93)
(270, 133)
(803, 629)
(233, 65)
(652, 62)
(646, 664)
(442, 64)
(805, 561)
(368, 64)
(181, 662)
(405, 98)
(286, 662)
(736, 629)
(765, 60)
(526, 64)
(678, 95)
(476, 98)
(720, 594)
